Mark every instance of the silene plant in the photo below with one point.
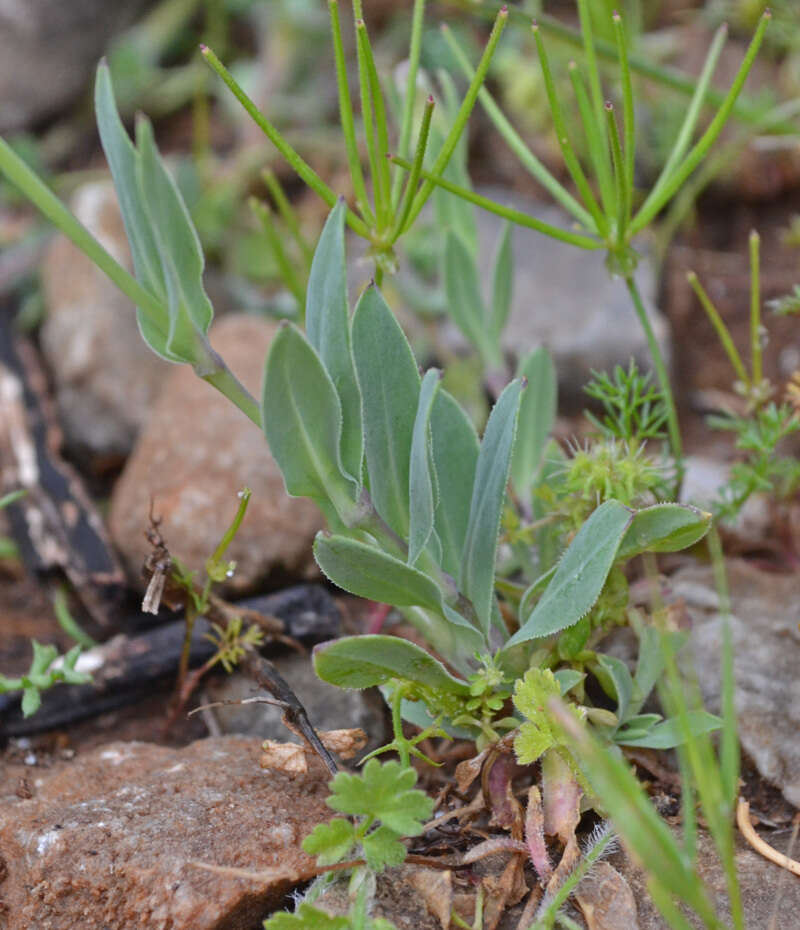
(506, 555)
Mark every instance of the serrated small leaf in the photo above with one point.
(330, 842)
(455, 449)
(502, 285)
(385, 792)
(373, 660)
(664, 528)
(308, 917)
(531, 742)
(383, 849)
(190, 310)
(389, 382)
(422, 483)
(476, 579)
(365, 570)
(328, 330)
(668, 735)
(580, 575)
(464, 301)
(302, 420)
(537, 415)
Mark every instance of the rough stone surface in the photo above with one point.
(48, 51)
(764, 625)
(195, 453)
(770, 896)
(565, 299)
(106, 378)
(328, 708)
(108, 841)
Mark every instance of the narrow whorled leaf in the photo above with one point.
(664, 528)
(422, 487)
(463, 291)
(369, 661)
(328, 330)
(190, 310)
(389, 382)
(670, 733)
(537, 414)
(476, 579)
(455, 456)
(303, 421)
(502, 285)
(365, 570)
(580, 575)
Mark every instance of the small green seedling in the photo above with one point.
(47, 669)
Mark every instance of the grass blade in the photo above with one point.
(628, 113)
(381, 176)
(722, 331)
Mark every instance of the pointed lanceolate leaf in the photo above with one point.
(123, 160)
(476, 578)
(371, 661)
(302, 421)
(367, 571)
(502, 285)
(664, 528)
(670, 733)
(328, 330)
(537, 414)
(389, 383)
(422, 480)
(580, 575)
(463, 291)
(190, 310)
(455, 455)
(621, 682)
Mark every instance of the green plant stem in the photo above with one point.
(414, 51)
(663, 377)
(264, 216)
(515, 142)
(460, 122)
(744, 110)
(287, 212)
(658, 199)
(382, 175)
(298, 164)
(186, 648)
(755, 309)
(404, 208)
(397, 726)
(628, 112)
(621, 192)
(722, 331)
(508, 213)
(228, 384)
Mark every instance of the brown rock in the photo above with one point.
(109, 841)
(106, 378)
(195, 453)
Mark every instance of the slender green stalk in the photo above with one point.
(228, 536)
(287, 212)
(382, 177)
(414, 51)
(722, 331)
(654, 203)
(295, 160)
(596, 140)
(228, 384)
(368, 123)
(346, 116)
(628, 113)
(596, 91)
(755, 308)
(404, 206)
(559, 123)
(673, 428)
(508, 213)
(684, 137)
(460, 122)
(264, 216)
(621, 192)
(515, 142)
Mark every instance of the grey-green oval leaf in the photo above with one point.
(328, 330)
(369, 661)
(302, 421)
(502, 285)
(670, 733)
(367, 571)
(464, 301)
(580, 575)
(476, 579)
(664, 528)
(389, 382)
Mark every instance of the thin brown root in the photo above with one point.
(760, 845)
